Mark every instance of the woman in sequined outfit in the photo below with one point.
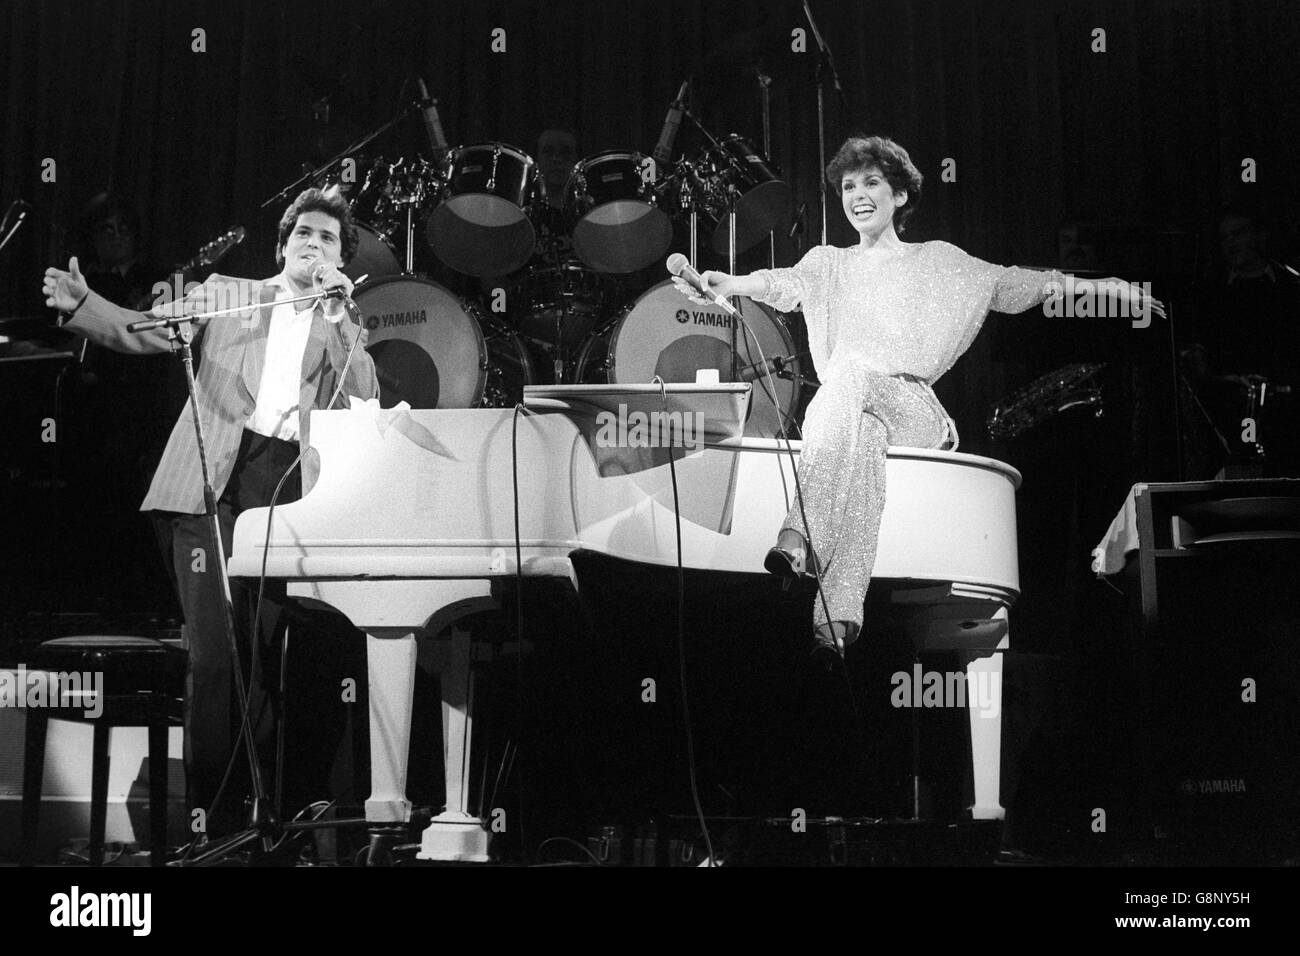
(885, 320)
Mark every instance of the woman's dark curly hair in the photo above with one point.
(860, 152)
(329, 201)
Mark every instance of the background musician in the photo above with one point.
(1248, 338)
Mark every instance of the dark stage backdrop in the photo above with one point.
(1041, 128)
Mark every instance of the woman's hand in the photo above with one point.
(64, 290)
(1144, 302)
(1140, 302)
(716, 282)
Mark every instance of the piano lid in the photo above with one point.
(720, 409)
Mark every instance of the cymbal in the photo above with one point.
(738, 55)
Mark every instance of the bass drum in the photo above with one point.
(662, 333)
(431, 350)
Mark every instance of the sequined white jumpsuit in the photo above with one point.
(882, 327)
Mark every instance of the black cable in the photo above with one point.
(769, 386)
(681, 635)
(503, 774)
(584, 849)
(254, 668)
(794, 469)
(811, 552)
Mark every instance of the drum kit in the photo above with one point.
(555, 271)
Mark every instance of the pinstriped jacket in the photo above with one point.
(234, 351)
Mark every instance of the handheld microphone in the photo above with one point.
(432, 122)
(680, 266)
(318, 273)
(664, 149)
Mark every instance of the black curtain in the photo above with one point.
(1038, 126)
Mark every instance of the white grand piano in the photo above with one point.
(412, 521)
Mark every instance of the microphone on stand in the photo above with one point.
(1276, 262)
(18, 211)
(782, 365)
(775, 364)
(664, 148)
(432, 122)
(680, 266)
(796, 226)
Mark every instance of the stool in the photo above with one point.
(142, 685)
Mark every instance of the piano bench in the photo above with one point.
(109, 681)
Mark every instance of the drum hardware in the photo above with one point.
(561, 299)
(321, 172)
(1257, 390)
(384, 212)
(680, 190)
(729, 188)
(735, 176)
(509, 367)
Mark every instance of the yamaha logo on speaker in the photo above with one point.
(1203, 788)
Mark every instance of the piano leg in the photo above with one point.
(984, 670)
(390, 662)
(455, 834)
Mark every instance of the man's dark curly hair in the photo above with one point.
(332, 203)
(860, 152)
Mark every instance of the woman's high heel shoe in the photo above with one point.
(784, 563)
(829, 641)
(788, 559)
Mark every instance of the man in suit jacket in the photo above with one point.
(264, 369)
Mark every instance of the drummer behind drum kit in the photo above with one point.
(484, 212)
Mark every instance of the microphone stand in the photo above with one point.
(337, 158)
(765, 96)
(688, 198)
(731, 269)
(825, 61)
(263, 821)
(731, 243)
